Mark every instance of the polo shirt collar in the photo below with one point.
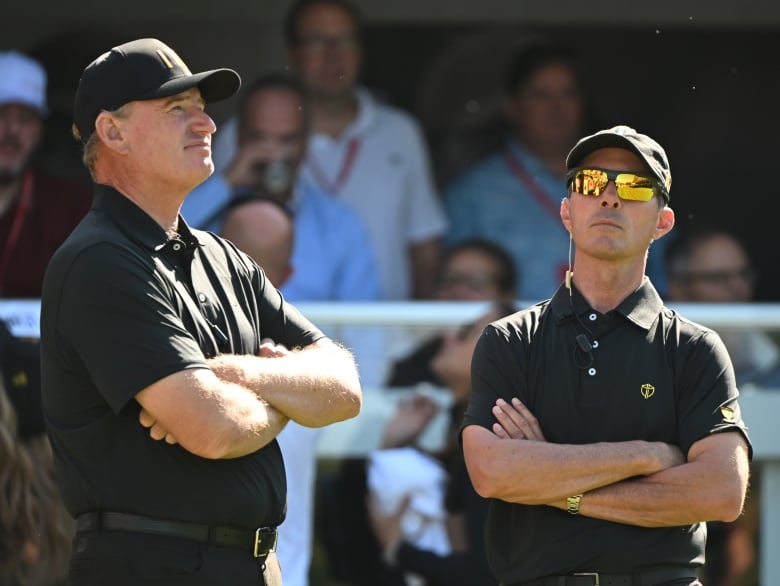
(135, 223)
(366, 116)
(641, 307)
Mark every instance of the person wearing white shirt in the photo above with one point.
(366, 153)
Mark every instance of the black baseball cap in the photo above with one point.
(143, 69)
(625, 137)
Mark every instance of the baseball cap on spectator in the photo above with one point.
(22, 81)
(144, 69)
(625, 137)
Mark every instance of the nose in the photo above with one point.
(203, 123)
(609, 197)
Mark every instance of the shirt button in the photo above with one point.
(592, 371)
(176, 246)
(593, 317)
(594, 344)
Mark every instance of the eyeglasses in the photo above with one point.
(629, 186)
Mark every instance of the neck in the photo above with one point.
(162, 203)
(606, 285)
(331, 115)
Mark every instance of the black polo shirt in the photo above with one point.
(123, 306)
(653, 375)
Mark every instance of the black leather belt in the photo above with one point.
(646, 578)
(259, 542)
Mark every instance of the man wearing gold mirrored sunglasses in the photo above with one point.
(604, 426)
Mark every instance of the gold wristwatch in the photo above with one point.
(573, 504)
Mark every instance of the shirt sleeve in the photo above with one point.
(497, 371)
(708, 396)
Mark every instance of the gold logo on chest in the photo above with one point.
(647, 390)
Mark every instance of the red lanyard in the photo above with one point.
(16, 226)
(346, 168)
(541, 196)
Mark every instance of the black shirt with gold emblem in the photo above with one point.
(651, 375)
(124, 306)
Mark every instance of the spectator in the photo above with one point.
(332, 255)
(472, 270)
(513, 196)
(366, 153)
(448, 546)
(263, 228)
(34, 530)
(710, 265)
(37, 211)
(332, 261)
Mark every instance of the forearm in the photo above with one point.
(210, 418)
(708, 488)
(252, 425)
(314, 386)
(536, 472)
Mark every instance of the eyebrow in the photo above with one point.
(184, 97)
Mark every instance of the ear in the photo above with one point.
(565, 213)
(665, 223)
(111, 133)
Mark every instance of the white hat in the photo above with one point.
(22, 81)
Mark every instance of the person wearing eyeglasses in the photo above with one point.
(362, 151)
(604, 426)
(708, 264)
(472, 270)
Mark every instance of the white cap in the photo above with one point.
(22, 81)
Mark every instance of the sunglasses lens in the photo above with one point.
(634, 187)
(590, 182)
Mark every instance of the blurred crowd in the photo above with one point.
(330, 189)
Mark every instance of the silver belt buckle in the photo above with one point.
(595, 576)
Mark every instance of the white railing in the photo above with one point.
(761, 408)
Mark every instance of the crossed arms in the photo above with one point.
(241, 403)
(649, 484)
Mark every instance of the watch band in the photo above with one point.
(573, 504)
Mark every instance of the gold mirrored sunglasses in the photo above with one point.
(629, 186)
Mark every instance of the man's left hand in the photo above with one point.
(515, 421)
